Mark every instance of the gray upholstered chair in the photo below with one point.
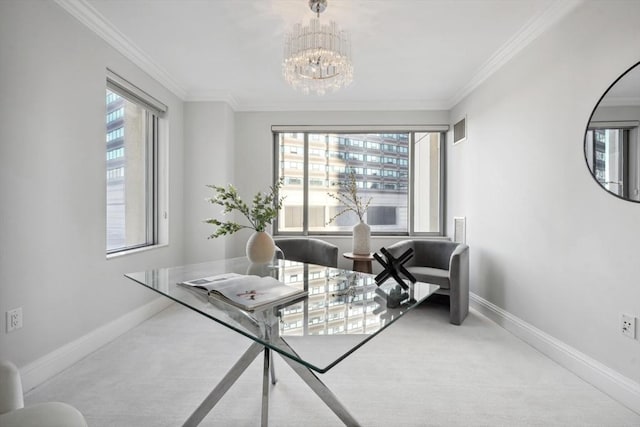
(12, 410)
(313, 251)
(443, 263)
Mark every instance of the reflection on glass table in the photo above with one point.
(342, 311)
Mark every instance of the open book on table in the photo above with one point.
(245, 292)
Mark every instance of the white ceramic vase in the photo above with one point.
(361, 239)
(260, 248)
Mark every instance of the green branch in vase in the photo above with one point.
(264, 209)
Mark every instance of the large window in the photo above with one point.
(131, 144)
(405, 199)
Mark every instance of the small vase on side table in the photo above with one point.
(361, 239)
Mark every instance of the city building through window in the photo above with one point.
(405, 199)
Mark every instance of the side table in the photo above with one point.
(361, 263)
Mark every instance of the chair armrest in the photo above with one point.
(10, 388)
(459, 284)
(459, 267)
(328, 252)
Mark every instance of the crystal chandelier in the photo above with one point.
(317, 58)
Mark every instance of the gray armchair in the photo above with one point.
(443, 263)
(313, 251)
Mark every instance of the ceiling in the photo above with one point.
(407, 54)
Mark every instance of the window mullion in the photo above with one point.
(277, 175)
(410, 210)
(305, 187)
(443, 165)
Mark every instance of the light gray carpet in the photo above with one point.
(421, 371)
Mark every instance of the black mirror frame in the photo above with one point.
(584, 138)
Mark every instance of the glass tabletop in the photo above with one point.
(342, 310)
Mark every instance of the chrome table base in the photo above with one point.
(243, 363)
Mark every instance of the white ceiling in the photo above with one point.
(407, 54)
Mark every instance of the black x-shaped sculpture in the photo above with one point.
(393, 266)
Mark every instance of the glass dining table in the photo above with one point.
(340, 312)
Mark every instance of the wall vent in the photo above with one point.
(460, 131)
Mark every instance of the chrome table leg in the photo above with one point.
(310, 378)
(274, 380)
(223, 386)
(265, 387)
(321, 390)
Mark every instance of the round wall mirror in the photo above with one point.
(611, 145)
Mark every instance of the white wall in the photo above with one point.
(548, 245)
(254, 150)
(209, 149)
(52, 182)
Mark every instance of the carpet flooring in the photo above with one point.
(421, 371)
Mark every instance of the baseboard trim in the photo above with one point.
(51, 364)
(619, 387)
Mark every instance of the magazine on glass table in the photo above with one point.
(247, 292)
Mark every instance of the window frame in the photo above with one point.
(345, 130)
(154, 111)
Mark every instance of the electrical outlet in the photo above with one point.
(628, 326)
(14, 319)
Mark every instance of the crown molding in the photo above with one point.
(96, 22)
(213, 96)
(527, 34)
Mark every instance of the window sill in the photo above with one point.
(135, 251)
